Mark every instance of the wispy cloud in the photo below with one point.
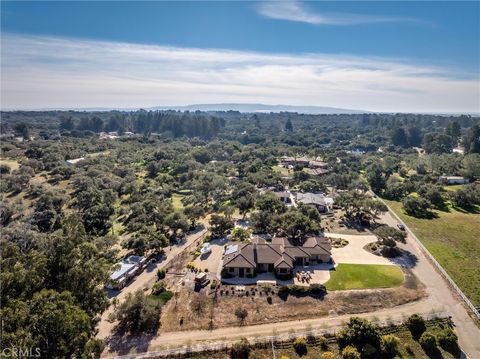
(296, 11)
(40, 71)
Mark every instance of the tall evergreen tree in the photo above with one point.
(289, 125)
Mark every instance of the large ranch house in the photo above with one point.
(280, 257)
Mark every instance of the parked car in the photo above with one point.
(401, 227)
(206, 248)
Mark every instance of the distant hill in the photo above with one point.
(254, 107)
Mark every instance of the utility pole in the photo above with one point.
(273, 350)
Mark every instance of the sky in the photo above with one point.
(383, 56)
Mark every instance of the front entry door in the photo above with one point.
(241, 272)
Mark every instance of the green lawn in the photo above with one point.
(453, 187)
(177, 201)
(454, 240)
(363, 276)
(282, 170)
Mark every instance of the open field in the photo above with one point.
(454, 240)
(408, 346)
(177, 201)
(364, 276)
(282, 170)
(453, 187)
(14, 165)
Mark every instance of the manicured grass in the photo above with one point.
(454, 240)
(363, 276)
(177, 201)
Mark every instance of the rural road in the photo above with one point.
(143, 280)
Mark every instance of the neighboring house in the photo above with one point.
(74, 161)
(281, 256)
(319, 200)
(318, 164)
(317, 171)
(454, 179)
(128, 268)
(285, 196)
(290, 162)
(109, 135)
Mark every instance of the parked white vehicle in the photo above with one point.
(206, 248)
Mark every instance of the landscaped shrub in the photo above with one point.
(389, 345)
(317, 289)
(327, 355)
(241, 314)
(193, 267)
(302, 290)
(322, 343)
(368, 350)
(350, 352)
(159, 287)
(240, 350)
(428, 341)
(300, 346)
(448, 340)
(359, 333)
(161, 273)
(165, 296)
(416, 325)
(390, 252)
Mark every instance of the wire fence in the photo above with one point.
(434, 261)
(275, 341)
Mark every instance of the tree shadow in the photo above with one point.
(301, 292)
(467, 210)
(425, 215)
(434, 353)
(123, 344)
(406, 259)
(443, 208)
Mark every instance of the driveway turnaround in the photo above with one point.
(354, 252)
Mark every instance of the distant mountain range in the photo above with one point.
(258, 107)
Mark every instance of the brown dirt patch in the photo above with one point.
(221, 312)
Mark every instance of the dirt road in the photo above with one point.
(145, 279)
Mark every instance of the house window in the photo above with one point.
(231, 270)
(283, 270)
(248, 270)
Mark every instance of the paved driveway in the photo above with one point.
(354, 252)
(212, 261)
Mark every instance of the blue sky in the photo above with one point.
(385, 56)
